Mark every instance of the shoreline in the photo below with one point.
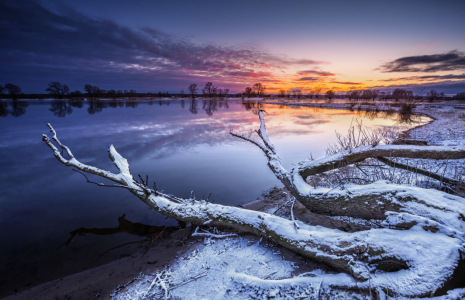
(94, 283)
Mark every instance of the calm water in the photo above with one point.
(181, 145)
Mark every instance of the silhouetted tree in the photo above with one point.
(330, 94)
(96, 92)
(75, 94)
(259, 89)
(88, 89)
(460, 96)
(182, 93)
(432, 95)
(57, 90)
(111, 94)
(193, 89)
(310, 94)
(399, 94)
(248, 92)
(317, 91)
(119, 94)
(208, 89)
(282, 93)
(13, 90)
(1, 91)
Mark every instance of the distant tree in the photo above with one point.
(119, 94)
(259, 89)
(460, 96)
(330, 94)
(75, 94)
(432, 95)
(282, 93)
(208, 89)
(182, 93)
(354, 95)
(13, 90)
(193, 89)
(88, 89)
(442, 96)
(317, 91)
(409, 95)
(111, 94)
(248, 92)
(160, 94)
(96, 92)
(1, 91)
(57, 90)
(399, 94)
(310, 94)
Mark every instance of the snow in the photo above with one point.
(232, 268)
(235, 269)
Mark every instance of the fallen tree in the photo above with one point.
(411, 262)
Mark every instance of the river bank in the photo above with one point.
(447, 128)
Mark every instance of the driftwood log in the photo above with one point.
(398, 260)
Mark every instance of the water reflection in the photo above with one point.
(254, 106)
(61, 108)
(181, 149)
(124, 225)
(14, 108)
(193, 107)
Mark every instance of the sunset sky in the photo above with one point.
(163, 46)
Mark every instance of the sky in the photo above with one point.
(153, 46)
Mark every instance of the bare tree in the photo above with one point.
(182, 93)
(208, 89)
(193, 89)
(432, 95)
(88, 89)
(317, 91)
(13, 90)
(111, 94)
(1, 91)
(399, 94)
(259, 89)
(330, 94)
(282, 93)
(248, 92)
(57, 90)
(310, 94)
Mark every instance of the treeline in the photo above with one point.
(397, 94)
(57, 90)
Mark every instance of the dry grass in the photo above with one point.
(358, 136)
(372, 170)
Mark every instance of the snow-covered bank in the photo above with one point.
(427, 255)
(392, 283)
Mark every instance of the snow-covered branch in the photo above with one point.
(434, 221)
